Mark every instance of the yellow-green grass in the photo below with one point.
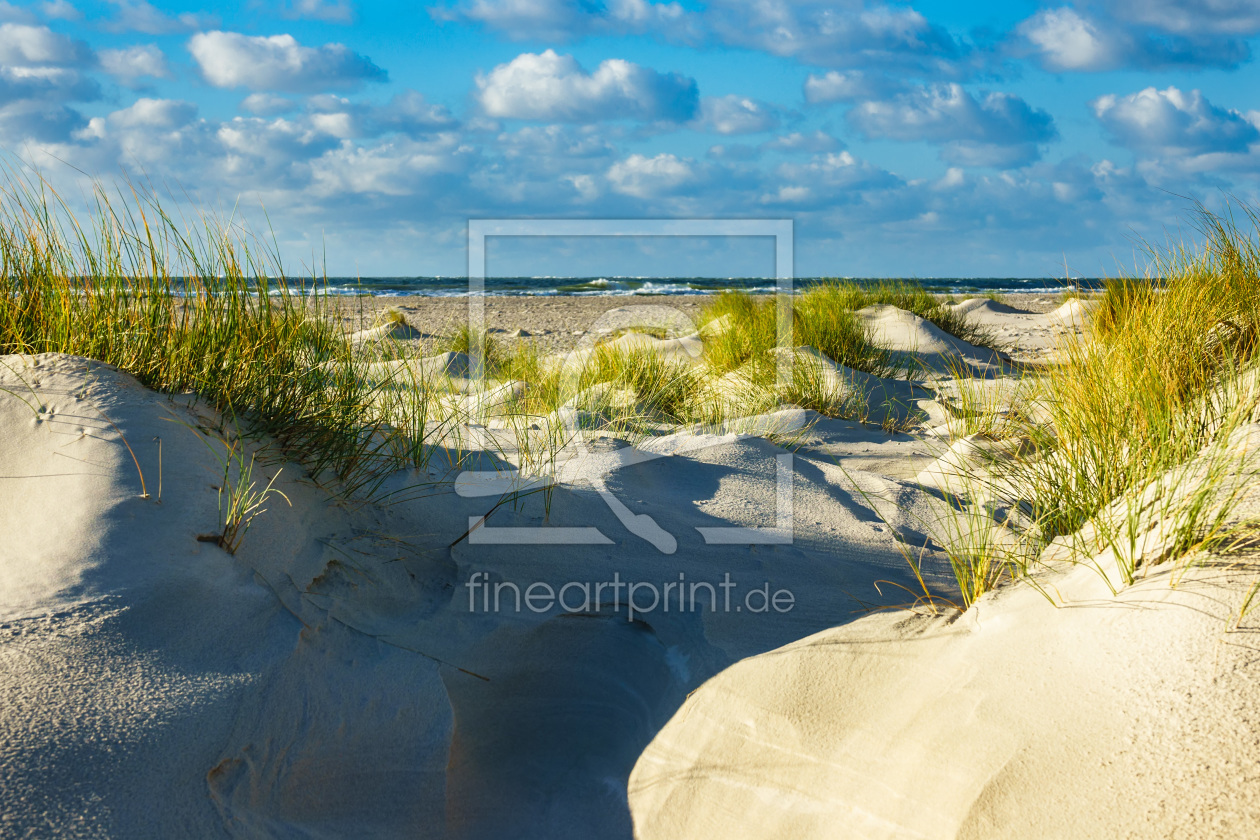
(1145, 411)
(833, 296)
(1132, 396)
(823, 317)
(191, 306)
(740, 329)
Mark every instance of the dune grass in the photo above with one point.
(464, 339)
(834, 296)
(191, 305)
(1144, 453)
(241, 500)
(1161, 374)
(742, 328)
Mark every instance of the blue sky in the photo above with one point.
(932, 139)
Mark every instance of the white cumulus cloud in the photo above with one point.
(1174, 122)
(1148, 34)
(827, 178)
(330, 11)
(135, 62)
(650, 177)
(555, 88)
(554, 144)
(999, 129)
(154, 113)
(813, 143)
(1067, 41)
(1192, 17)
(939, 113)
(141, 16)
(847, 86)
(16, 14)
(838, 33)
(25, 45)
(736, 115)
(278, 63)
(830, 33)
(43, 85)
(406, 113)
(40, 70)
(267, 104)
(59, 10)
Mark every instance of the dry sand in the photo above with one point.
(338, 676)
(557, 323)
(1128, 716)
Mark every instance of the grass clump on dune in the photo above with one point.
(662, 388)
(1145, 450)
(741, 334)
(744, 327)
(1136, 445)
(740, 329)
(1162, 371)
(466, 340)
(832, 296)
(192, 306)
(741, 354)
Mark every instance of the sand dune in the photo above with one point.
(150, 680)
(408, 371)
(686, 348)
(926, 344)
(345, 614)
(1104, 717)
(1027, 336)
(346, 673)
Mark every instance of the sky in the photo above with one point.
(933, 139)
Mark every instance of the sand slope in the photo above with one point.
(1128, 716)
(154, 685)
(137, 663)
(1027, 336)
(926, 345)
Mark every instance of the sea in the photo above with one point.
(543, 286)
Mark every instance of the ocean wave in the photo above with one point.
(586, 286)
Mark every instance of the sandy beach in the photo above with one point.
(553, 323)
(723, 628)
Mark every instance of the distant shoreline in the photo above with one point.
(613, 286)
